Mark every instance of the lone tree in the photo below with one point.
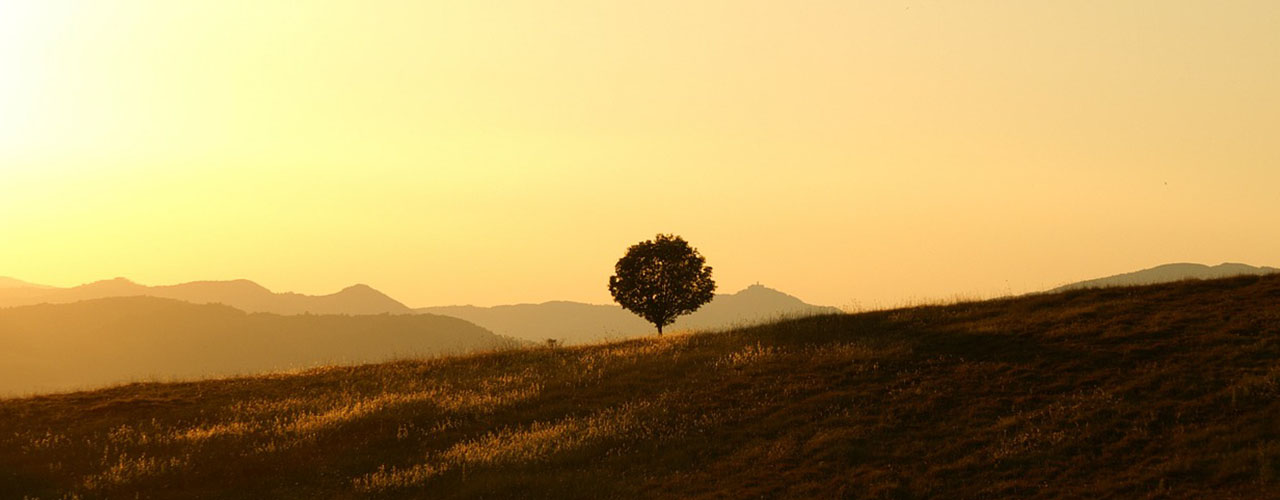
(661, 279)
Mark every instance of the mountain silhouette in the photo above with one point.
(1169, 273)
(240, 294)
(576, 322)
(52, 347)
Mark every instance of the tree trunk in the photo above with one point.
(659, 330)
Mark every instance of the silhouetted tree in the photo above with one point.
(661, 279)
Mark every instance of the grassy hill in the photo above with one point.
(1166, 391)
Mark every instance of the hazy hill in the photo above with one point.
(240, 294)
(575, 322)
(104, 341)
(6, 282)
(14, 291)
(1167, 391)
(1170, 273)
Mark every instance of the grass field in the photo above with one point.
(1167, 391)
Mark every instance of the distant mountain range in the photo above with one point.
(53, 347)
(244, 295)
(575, 322)
(572, 322)
(1168, 273)
(116, 330)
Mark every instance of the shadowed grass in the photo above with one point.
(1151, 392)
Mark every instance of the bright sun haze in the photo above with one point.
(500, 152)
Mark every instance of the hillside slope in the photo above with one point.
(98, 342)
(1169, 273)
(1167, 391)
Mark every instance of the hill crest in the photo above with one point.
(1167, 273)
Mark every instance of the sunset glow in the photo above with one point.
(850, 153)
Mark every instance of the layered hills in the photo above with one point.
(91, 343)
(1163, 391)
(571, 322)
(575, 322)
(244, 295)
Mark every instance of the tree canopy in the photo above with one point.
(662, 279)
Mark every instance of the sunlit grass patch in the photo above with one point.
(213, 431)
(839, 352)
(122, 469)
(523, 445)
(754, 353)
(635, 350)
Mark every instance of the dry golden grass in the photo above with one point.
(1152, 392)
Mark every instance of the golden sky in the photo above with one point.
(847, 152)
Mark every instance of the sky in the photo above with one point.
(856, 154)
